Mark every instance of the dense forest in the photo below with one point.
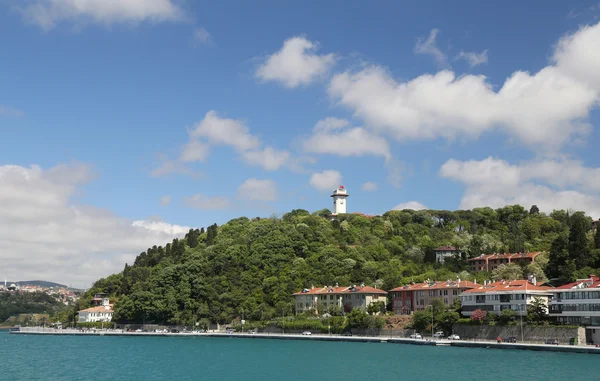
(253, 266)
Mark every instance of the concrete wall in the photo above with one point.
(531, 334)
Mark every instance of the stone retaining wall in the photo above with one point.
(530, 334)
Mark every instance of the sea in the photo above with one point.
(30, 357)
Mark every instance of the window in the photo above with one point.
(445, 292)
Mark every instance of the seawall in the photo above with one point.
(530, 334)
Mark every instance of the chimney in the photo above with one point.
(475, 281)
(532, 279)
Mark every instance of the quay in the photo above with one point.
(318, 337)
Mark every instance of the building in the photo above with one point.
(346, 298)
(595, 224)
(494, 297)
(102, 313)
(98, 299)
(418, 296)
(443, 252)
(489, 262)
(339, 200)
(578, 303)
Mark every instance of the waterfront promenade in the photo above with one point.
(318, 337)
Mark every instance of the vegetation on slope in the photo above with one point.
(13, 304)
(254, 266)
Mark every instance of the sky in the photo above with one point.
(123, 123)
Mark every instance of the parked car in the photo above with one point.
(551, 341)
(307, 333)
(453, 337)
(509, 339)
(416, 336)
(347, 333)
(438, 334)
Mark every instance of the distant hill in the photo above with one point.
(41, 283)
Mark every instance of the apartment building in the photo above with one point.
(345, 297)
(443, 252)
(494, 297)
(417, 296)
(489, 262)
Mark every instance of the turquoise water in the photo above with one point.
(202, 358)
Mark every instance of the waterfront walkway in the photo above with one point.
(318, 337)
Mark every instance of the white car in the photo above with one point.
(307, 333)
(416, 336)
(453, 337)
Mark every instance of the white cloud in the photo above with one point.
(10, 111)
(195, 150)
(47, 13)
(330, 136)
(296, 63)
(473, 58)
(64, 241)
(172, 167)
(369, 187)
(200, 201)
(326, 180)
(165, 200)
(542, 110)
(268, 158)
(549, 184)
(219, 130)
(201, 35)
(429, 46)
(258, 190)
(413, 205)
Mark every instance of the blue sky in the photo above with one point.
(177, 113)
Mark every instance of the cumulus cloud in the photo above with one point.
(549, 184)
(326, 180)
(48, 13)
(472, 58)
(296, 63)
(165, 200)
(543, 110)
(413, 205)
(46, 235)
(195, 150)
(268, 158)
(369, 187)
(332, 136)
(200, 201)
(201, 36)
(218, 130)
(172, 167)
(257, 190)
(429, 46)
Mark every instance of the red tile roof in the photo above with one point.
(593, 281)
(445, 248)
(98, 309)
(341, 290)
(436, 285)
(510, 256)
(509, 285)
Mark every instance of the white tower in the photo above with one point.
(339, 200)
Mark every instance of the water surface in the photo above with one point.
(202, 358)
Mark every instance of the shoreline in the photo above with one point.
(334, 338)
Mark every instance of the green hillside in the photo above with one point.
(254, 265)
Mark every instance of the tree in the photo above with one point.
(537, 311)
(578, 241)
(447, 319)
(478, 315)
(376, 308)
(559, 265)
(421, 320)
(534, 210)
(509, 271)
(597, 238)
(507, 316)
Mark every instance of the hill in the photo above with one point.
(13, 304)
(252, 266)
(41, 283)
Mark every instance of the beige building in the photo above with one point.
(346, 298)
(418, 296)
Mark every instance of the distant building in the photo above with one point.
(494, 297)
(345, 297)
(339, 200)
(102, 313)
(418, 296)
(443, 252)
(489, 262)
(98, 299)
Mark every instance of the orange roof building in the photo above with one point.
(494, 297)
(489, 262)
(345, 297)
(418, 296)
(578, 303)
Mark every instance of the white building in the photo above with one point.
(339, 200)
(495, 297)
(101, 313)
